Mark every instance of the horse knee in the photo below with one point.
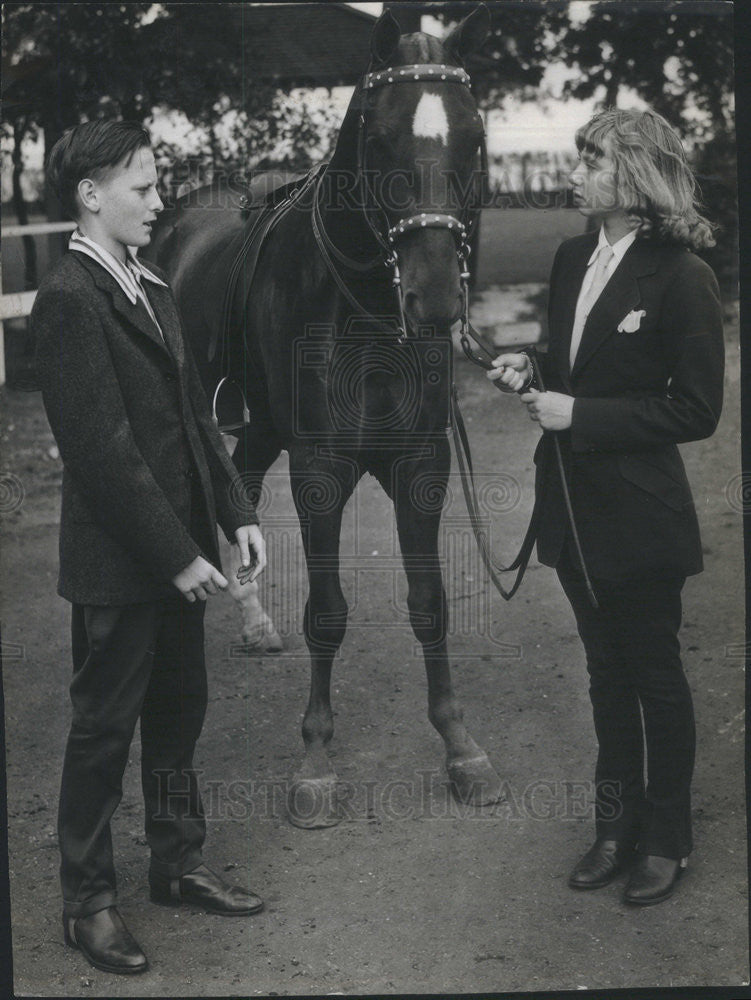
(426, 603)
(325, 625)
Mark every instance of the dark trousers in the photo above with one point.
(635, 672)
(136, 661)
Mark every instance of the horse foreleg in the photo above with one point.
(311, 798)
(258, 631)
(253, 453)
(472, 776)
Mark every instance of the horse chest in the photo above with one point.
(380, 389)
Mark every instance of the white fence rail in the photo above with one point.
(16, 305)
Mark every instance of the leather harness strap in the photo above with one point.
(269, 214)
(464, 459)
(323, 243)
(468, 330)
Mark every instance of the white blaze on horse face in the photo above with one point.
(431, 121)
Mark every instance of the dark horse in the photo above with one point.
(347, 369)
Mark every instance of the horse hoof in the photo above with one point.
(474, 780)
(312, 803)
(262, 641)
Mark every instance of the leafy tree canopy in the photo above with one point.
(61, 59)
(676, 55)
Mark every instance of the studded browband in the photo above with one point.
(418, 71)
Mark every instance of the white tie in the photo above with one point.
(600, 278)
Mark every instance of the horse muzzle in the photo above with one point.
(426, 309)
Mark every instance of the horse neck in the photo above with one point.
(341, 196)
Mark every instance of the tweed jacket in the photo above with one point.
(138, 445)
(639, 392)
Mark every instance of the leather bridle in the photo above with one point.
(387, 235)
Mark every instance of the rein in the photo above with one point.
(470, 494)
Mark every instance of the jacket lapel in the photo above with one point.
(618, 298)
(169, 320)
(134, 313)
(569, 281)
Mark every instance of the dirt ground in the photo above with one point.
(411, 892)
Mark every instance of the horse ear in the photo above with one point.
(469, 34)
(385, 38)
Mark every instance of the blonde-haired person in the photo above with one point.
(634, 368)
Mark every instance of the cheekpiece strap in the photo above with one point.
(435, 72)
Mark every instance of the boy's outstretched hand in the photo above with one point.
(252, 552)
(199, 579)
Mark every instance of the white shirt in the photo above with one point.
(619, 249)
(128, 275)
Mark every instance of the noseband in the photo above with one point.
(388, 236)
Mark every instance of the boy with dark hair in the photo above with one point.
(145, 480)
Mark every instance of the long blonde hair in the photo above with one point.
(656, 187)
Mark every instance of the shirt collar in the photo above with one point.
(619, 248)
(126, 275)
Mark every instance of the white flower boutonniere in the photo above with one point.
(632, 322)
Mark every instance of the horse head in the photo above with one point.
(420, 136)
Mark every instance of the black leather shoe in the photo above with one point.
(203, 888)
(599, 866)
(105, 941)
(653, 879)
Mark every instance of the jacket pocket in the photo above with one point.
(668, 485)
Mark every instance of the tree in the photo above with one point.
(80, 54)
(76, 61)
(63, 62)
(68, 62)
(517, 51)
(201, 65)
(677, 56)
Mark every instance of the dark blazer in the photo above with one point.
(135, 434)
(638, 395)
